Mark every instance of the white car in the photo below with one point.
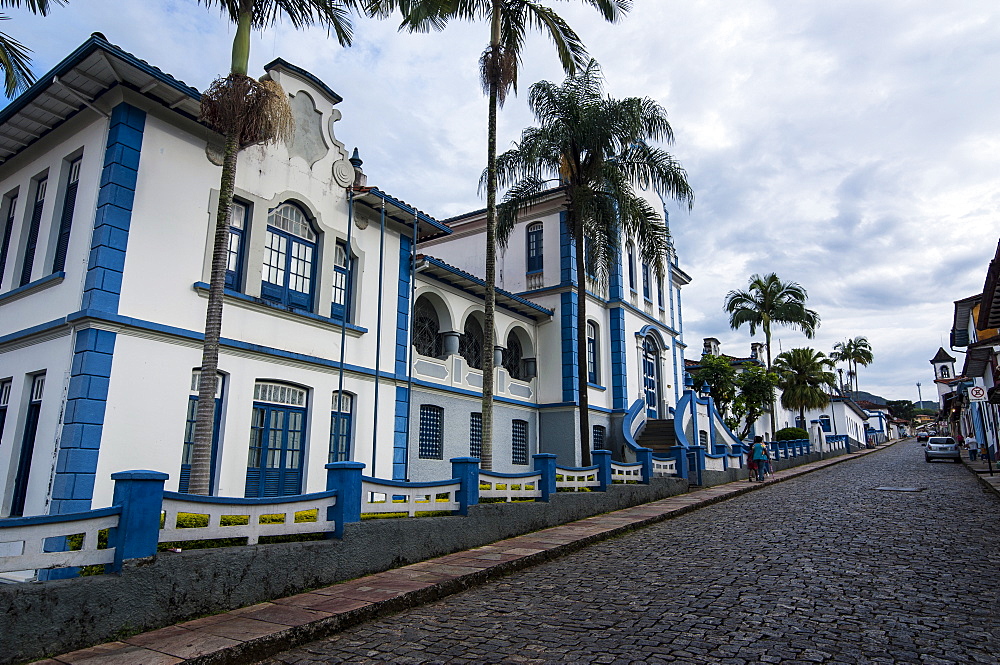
(942, 447)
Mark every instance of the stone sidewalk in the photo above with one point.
(982, 470)
(258, 631)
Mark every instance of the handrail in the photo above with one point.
(634, 420)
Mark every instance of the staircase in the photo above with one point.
(658, 435)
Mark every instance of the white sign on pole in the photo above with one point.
(977, 394)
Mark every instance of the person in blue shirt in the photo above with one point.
(759, 454)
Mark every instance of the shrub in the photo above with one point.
(791, 434)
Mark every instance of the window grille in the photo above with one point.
(470, 344)
(476, 435)
(426, 335)
(37, 388)
(431, 440)
(512, 357)
(279, 393)
(519, 442)
(290, 218)
(598, 437)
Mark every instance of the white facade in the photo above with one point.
(112, 319)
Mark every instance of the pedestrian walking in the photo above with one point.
(973, 446)
(759, 454)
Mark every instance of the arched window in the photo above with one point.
(341, 429)
(631, 265)
(470, 344)
(289, 258)
(426, 329)
(592, 356)
(944, 372)
(187, 453)
(277, 439)
(534, 247)
(237, 245)
(343, 284)
(512, 357)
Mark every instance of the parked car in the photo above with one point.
(922, 437)
(942, 447)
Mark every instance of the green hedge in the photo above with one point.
(791, 434)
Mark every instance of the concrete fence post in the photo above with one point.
(546, 464)
(645, 457)
(602, 458)
(345, 477)
(140, 495)
(466, 469)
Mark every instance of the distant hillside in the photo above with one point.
(861, 395)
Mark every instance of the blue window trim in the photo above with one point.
(593, 360)
(32, 287)
(66, 218)
(631, 267)
(341, 312)
(236, 295)
(646, 293)
(596, 386)
(342, 453)
(535, 253)
(34, 228)
(234, 278)
(8, 231)
(282, 294)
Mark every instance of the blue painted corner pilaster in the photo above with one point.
(619, 360)
(93, 352)
(570, 366)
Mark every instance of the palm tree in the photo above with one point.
(596, 150)
(14, 59)
(509, 20)
(769, 300)
(802, 376)
(854, 352)
(246, 112)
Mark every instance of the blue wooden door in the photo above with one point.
(274, 466)
(651, 377)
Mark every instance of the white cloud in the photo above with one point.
(849, 146)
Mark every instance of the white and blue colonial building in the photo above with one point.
(353, 321)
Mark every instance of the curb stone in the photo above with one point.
(258, 631)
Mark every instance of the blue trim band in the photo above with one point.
(37, 285)
(236, 295)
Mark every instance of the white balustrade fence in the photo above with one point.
(22, 543)
(410, 498)
(577, 479)
(510, 487)
(626, 473)
(245, 517)
(664, 468)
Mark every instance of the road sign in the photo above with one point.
(977, 394)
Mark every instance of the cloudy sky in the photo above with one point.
(850, 146)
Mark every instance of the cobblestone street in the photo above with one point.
(819, 569)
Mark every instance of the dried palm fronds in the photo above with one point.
(256, 111)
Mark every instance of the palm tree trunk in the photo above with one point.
(204, 427)
(767, 347)
(486, 459)
(581, 337)
(201, 458)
